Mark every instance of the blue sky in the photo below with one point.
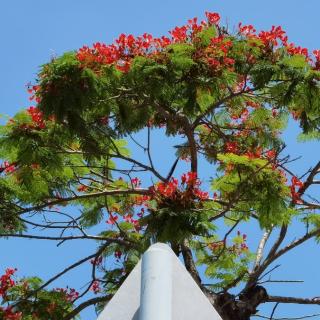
(33, 31)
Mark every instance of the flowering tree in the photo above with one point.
(67, 166)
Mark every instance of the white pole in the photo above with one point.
(156, 284)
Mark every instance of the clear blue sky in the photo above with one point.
(33, 31)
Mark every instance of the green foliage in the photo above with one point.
(204, 99)
(296, 62)
(260, 187)
(48, 304)
(180, 56)
(309, 136)
(225, 265)
(67, 89)
(167, 224)
(206, 35)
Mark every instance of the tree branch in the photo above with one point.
(261, 246)
(315, 300)
(84, 305)
(62, 238)
(86, 196)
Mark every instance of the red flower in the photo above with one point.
(295, 194)
(6, 282)
(202, 195)
(228, 61)
(292, 50)
(271, 154)
(82, 188)
(136, 182)
(231, 147)
(70, 293)
(214, 63)
(7, 167)
(95, 287)
(272, 37)
(247, 30)
(118, 254)
(212, 17)
(9, 314)
(316, 54)
(37, 118)
(179, 34)
(112, 219)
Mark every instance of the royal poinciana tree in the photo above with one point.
(227, 97)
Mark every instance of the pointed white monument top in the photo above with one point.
(161, 267)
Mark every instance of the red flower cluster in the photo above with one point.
(242, 117)
(126, 47)
(7, 167)
(213, 17)
(236, 248)
(129, 218)
(316, 54)
(6, 281)
(121, 53)
(167, 189)
(231, 147)
(217, 56)
(292, 50)
(8, 314)
(275, 37)
(271, 154)
(95, 287)
(188, 189)
(252, 104)
(141, 200)
(179, 34)
(136, 182)
(112, 219)
(246, 30)
(37, 118)
(32, 89)
(257, 153)
(296, 184)
(82, 188)
(254, 154)
(70, 293)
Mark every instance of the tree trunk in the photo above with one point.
(231, 308)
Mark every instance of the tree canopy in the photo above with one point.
(228, 96)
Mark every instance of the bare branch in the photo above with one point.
(315, 300)
(288, 318)
(259, 269)
(261, 246)
(309, 181)
(29, 236)
(86, 196)
(138, 163)
(84, 305)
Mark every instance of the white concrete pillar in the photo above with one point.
(156, 284)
